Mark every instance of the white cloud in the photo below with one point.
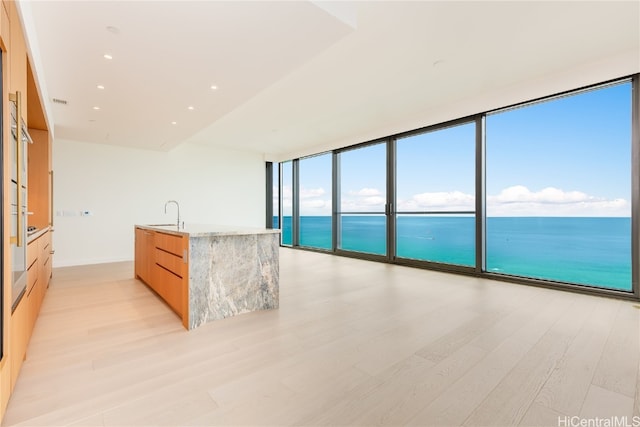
(520, 193)
(363, 200)
(286, 192)
(442, 200)
(307, 206)
(307, 193)
(363, 204)
(518, 200)
(366, 192)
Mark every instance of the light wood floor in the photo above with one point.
(353, 343)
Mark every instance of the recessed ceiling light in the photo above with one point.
(214, 87)
(190, 107)
(107, 56)
(96, 107)
(100, 87)
(174, 123)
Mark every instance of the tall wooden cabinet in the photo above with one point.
(17, 76)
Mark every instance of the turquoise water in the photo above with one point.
(590, 251)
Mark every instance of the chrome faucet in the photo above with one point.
(178, 206)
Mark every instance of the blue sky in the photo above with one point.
(567, 157)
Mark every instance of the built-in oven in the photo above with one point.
(18, 197)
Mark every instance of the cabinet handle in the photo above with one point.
(17, 98)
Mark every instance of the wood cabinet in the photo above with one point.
(17, 76)
(143, 257)
(38, 275)
(46, 251)
(32, 296)
(23, 319)
(18, 340)
(161, 261)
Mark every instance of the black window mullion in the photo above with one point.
(335, 205)
(635, 185)
(295, 214)
(269, 195)
(391, 199)
(481, 223)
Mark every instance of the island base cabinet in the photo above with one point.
(206, 273)
(161, 263)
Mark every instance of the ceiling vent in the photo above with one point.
(59, 101)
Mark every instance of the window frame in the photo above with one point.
(479, 270)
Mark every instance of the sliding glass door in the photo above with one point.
(362, 183)
(315, 201)
(435, 195)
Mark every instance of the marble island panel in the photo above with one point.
(231, 274)
(231, 270)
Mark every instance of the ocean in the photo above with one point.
(594, 251)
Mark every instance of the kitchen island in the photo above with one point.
(206, 273)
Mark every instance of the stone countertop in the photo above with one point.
(206, 230)
(37, 233)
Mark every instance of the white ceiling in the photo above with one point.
(297, 74)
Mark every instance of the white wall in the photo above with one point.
(123, 187)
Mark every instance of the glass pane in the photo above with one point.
(287, 201)
(436, 173)
(436, 170)
(363, 191)
(315, 201)
(448, 239)
(559, 189)
(364, 233)
(363, 182)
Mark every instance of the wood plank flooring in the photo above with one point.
(353, 343)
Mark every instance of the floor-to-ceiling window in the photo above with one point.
(435, 195)
(559, 189)
(286, 193)
(362, 183)
(315, 201)
(543, 192)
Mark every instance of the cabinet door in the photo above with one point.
(144, 254)
(32, 301)
(171, 288)
(18, 338)
(139, 243)
(31, 295)
(44, 266)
